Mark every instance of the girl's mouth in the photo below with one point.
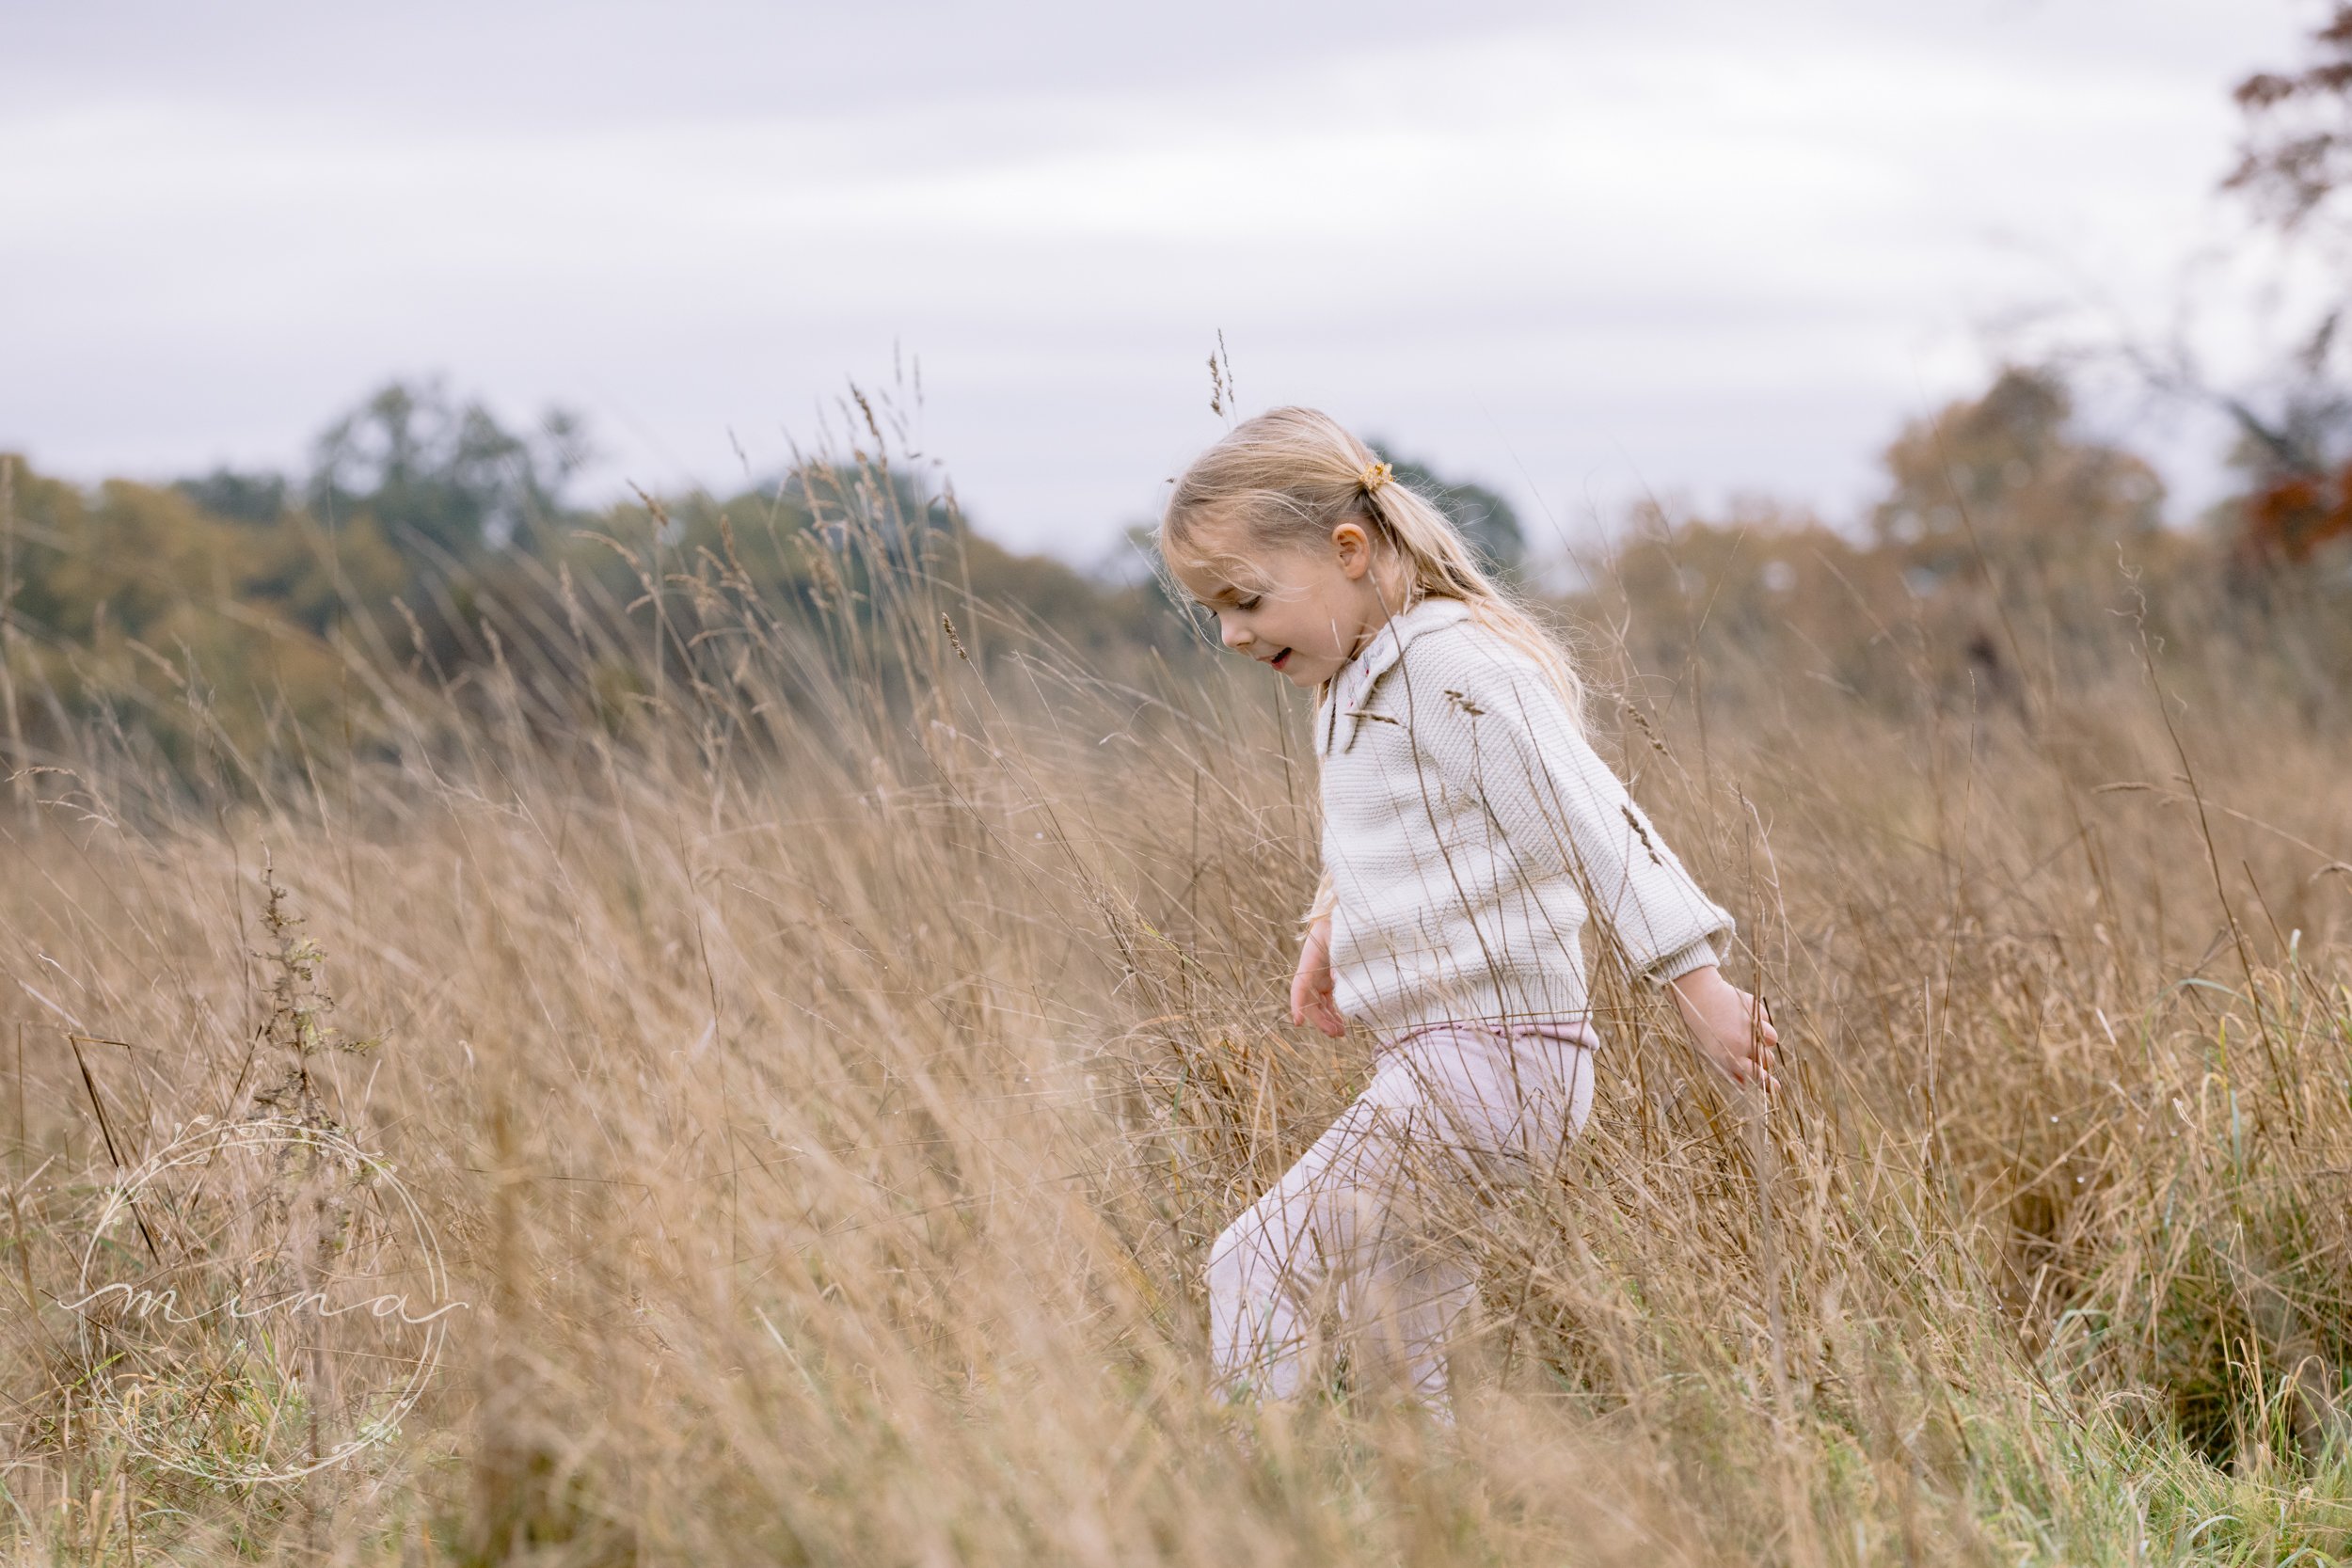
(1279, 659)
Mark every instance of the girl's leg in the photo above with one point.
(1274, 1268)
(1349, 1223)
(1411, 1299)
(1484, 1110)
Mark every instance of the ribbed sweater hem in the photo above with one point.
(1507, 998)
(1490, 1002)
(1674, 966)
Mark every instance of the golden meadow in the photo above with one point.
(824, 1028)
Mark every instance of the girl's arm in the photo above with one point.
(1310, 987)
(1496, 728)
(1326, 896)
(1312, 1000)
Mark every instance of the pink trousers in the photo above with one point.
(1365, 1226)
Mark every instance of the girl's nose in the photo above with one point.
(1234, 633)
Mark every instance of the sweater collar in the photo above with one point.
(1336, 724)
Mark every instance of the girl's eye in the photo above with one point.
(1250, 603)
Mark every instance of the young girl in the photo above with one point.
(1468, 831)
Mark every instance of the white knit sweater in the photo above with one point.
(1469, 831)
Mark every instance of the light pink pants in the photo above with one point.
(1360, 1224)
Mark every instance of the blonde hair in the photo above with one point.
(1287, 478)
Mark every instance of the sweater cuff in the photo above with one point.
(1675, 965)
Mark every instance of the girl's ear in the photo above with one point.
(1352, 547)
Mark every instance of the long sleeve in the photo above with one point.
(1494, 727)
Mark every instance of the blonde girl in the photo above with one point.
(1469, 832)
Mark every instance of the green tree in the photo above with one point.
(134, 600)
(443, 477)
(253, 496)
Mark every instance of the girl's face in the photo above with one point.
(1305, 612)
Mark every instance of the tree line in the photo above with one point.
(247, 594)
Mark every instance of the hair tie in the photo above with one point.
(1374, 476)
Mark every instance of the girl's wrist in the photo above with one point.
(1694, 983)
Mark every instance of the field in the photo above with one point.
(822, 1050)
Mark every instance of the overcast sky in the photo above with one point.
(1582, 251)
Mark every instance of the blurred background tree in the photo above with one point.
(2004, 475)
(2295, 168)
(1486, 520)
(248, 498)
(423, 519)
(2295, 158)
(443, 479)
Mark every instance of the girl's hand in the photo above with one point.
(1732, 1028)
(1310, 988)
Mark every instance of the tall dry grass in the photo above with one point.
(826, 1049)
